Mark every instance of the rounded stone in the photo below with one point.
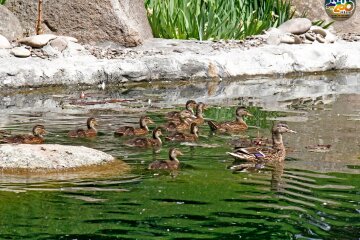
(37, 40)
(296, 26)
(20, 52)
(318, 30)
(4, 43)
(49, 156)
(59, 44)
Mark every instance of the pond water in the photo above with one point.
(312, 195)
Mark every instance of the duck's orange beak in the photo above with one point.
(291, 131)
(249, 114)
(150, 121)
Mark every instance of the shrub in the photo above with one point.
(215, 19)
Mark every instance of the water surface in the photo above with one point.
(312, 195)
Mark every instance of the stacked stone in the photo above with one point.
(299, 31)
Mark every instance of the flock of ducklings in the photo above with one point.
(183, 127)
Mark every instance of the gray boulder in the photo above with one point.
(123, 22)
(49, 156)
(10, 26)
(296, 26)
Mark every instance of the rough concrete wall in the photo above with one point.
(316, 11)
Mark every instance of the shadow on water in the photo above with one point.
(312, 195)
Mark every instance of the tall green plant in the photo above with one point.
(215, 19)
(2, 2)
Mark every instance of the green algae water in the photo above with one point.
(312, 195)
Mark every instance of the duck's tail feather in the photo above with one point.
(213, 126)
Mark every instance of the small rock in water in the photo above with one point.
(21, 52)
(296, 26)
(4, 43)
(37, 40)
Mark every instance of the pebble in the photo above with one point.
(20, 52)
(59, 44)
(37, 40)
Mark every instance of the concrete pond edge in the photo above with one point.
(85, 69)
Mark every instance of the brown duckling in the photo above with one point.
(199, 120)
(36, 138)
(266, 154)
(90, 132)
(182, 125)
(183, 137)
(131, 131)
(155, 141)
(232, 126)
(189, 108)
(171, 164)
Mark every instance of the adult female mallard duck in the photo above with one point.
(36, 138)
(171, 164)
(155, 141)
(131, 131)
(89, 132)
(232, 126)
(199, 120)
(189, 108)
(183, 137)
(266, 154)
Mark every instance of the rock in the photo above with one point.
(10, 26)
(120, 21)
(70, 39)
(315, 11)
(37, 40)
(310, 36)
(320, 38)
(286, 38)
(330, 38)
(20, 52)
(296, 26)
(49, 156)
(274, 36)
(4, 43)
(318, 30)
(59, 44)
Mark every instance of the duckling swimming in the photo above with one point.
(171, 164)
(155, 141)
(183, 124)
(131, 131)
(81, 133)
(189, 108)
(183, 137)
(199, 120)
(232, 126)
(36, 138)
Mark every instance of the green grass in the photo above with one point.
(2, 1)
(215, 19)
